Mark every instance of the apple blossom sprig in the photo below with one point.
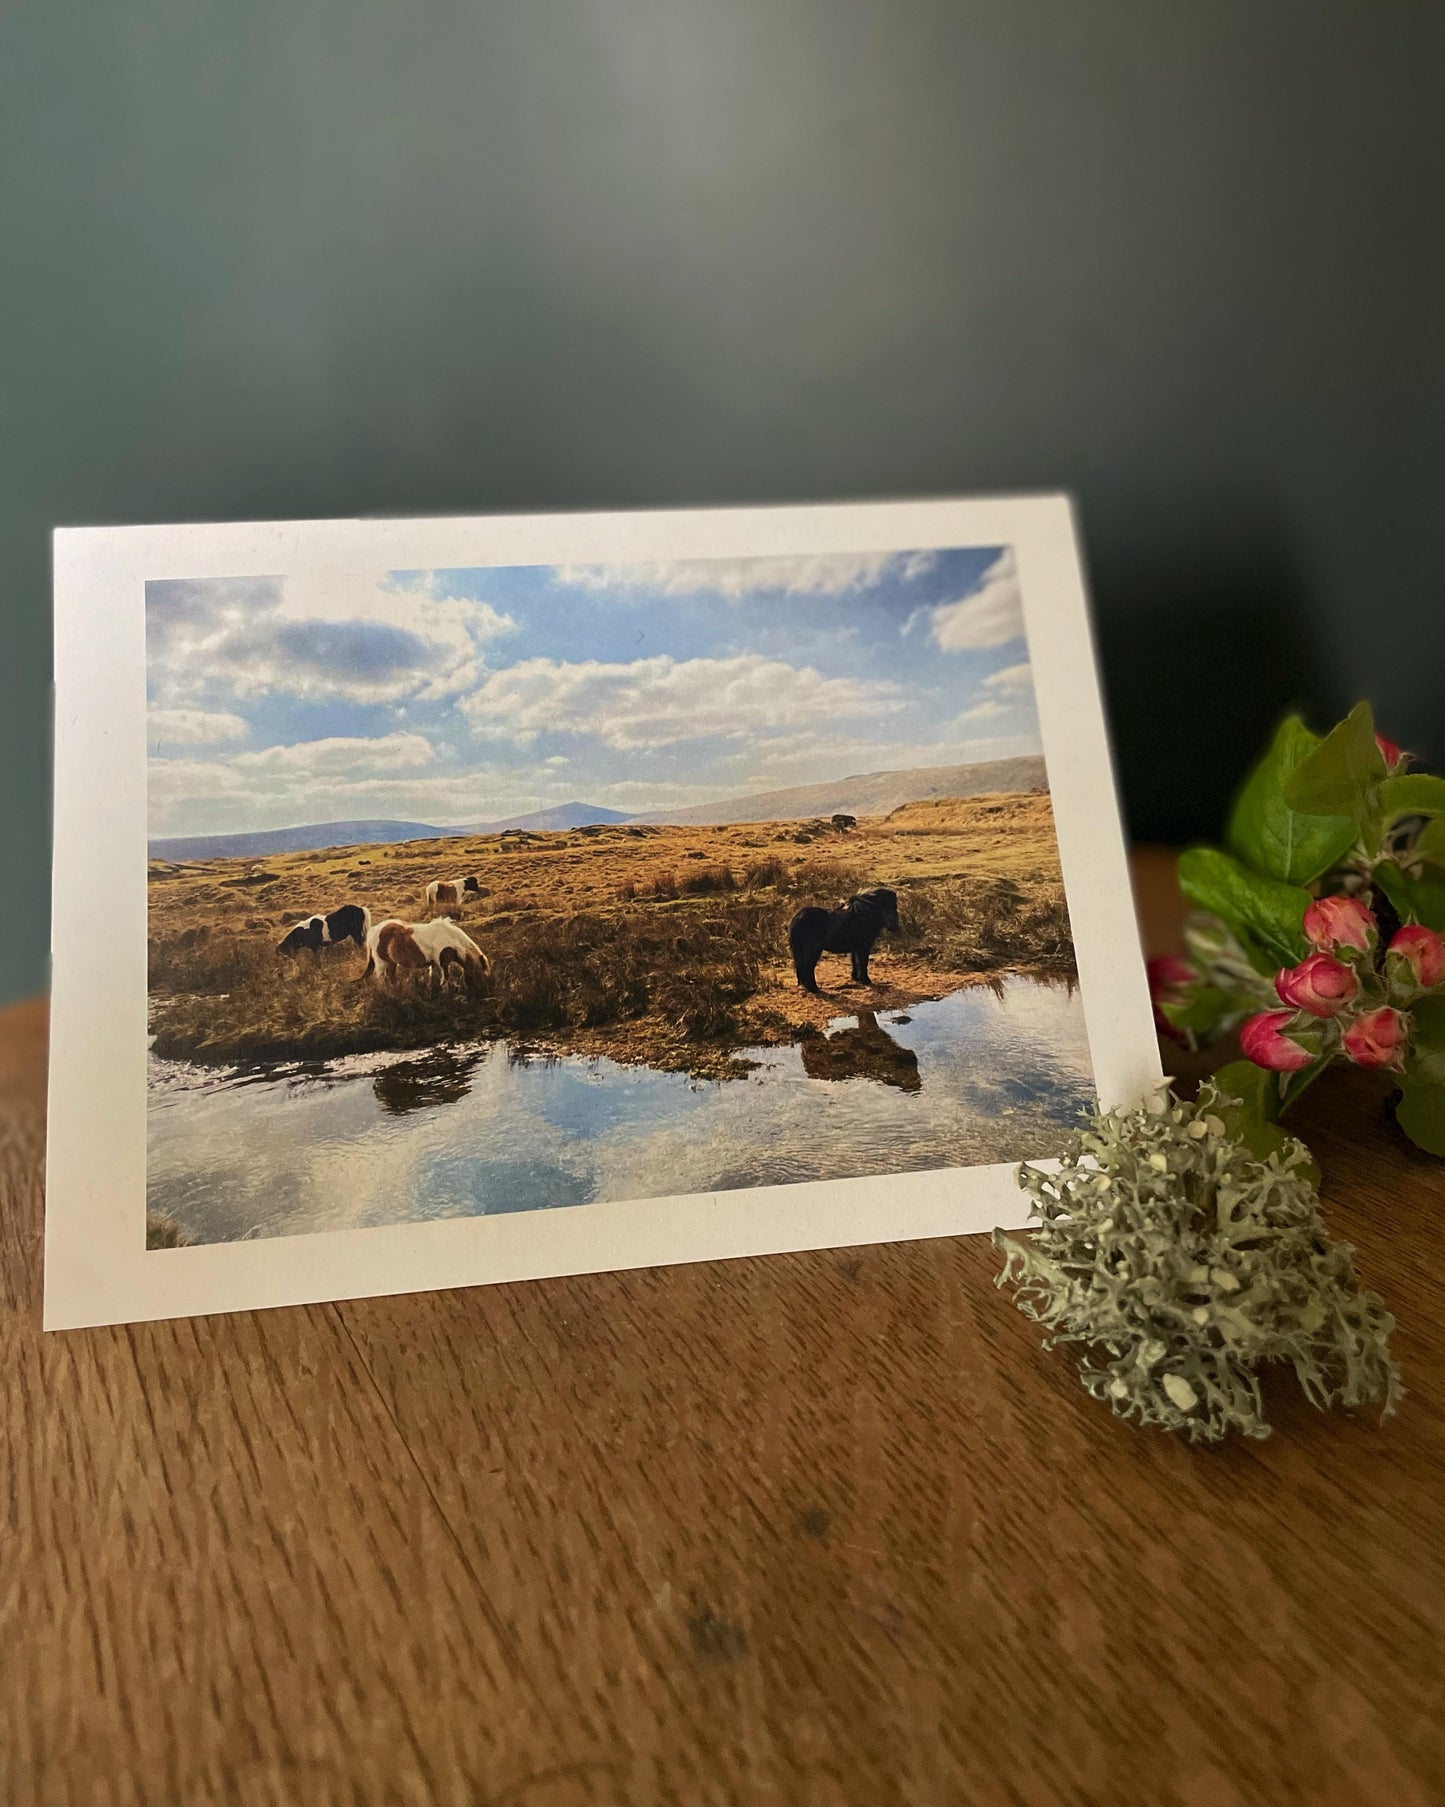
(1339, 1002)
(1318, 926)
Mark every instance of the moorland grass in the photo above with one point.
(686, 961)
(667, 945)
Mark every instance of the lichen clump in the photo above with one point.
(1184, 1264)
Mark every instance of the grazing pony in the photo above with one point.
(851, 930)
(434, 948)
(447, 893)
(352, 922)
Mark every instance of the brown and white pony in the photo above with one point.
(436, 949)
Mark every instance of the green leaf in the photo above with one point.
(1394, 881)
(1430, 842)
(1421, 1110)
(1253, 1117)
(1267, 834)
(1415, 899)
(1263, 910)
(1265, 963)
(1427, 1037)
(1427, 896)
(1413, 794)
(1206, 1008)
(1421, 1114)
(1341, 775)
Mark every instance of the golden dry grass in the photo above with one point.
(661, 944)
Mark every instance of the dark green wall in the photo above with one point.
(270, 258)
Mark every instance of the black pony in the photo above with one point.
(352, 922)
(851, 930)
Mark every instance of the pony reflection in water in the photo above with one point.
(866, 1051)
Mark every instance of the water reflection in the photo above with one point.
(987, 1074)
(441, 1077)
(866, 1051)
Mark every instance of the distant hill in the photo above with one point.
(868, 794)
(540, 821)
(291, 840)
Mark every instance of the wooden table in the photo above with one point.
(808, 1530)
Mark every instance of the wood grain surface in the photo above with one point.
(816, 1529)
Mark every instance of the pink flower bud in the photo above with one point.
(1333, 924)
(1321, 985)
(1390, 753)
(1264, 1041)
(1167, 973)
(1168, 977)
(1415, 957)
(1379, 1038)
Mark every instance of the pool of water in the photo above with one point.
(985, 1074)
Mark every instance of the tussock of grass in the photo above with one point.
(828, 882)
(707, 881)
(982, 925)
(163, 1232)
(233, 998)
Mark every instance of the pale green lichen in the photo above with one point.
(1185, 1264)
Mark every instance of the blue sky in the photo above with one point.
(462, 696)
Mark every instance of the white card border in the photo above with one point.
(97, 1269)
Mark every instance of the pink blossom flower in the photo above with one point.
(1166, 973)
(1321, 985)
(1168, 976)
(1264, 1041)
(1379, 1038)
(1334, 924)
(1415, 957)
(1390, 753)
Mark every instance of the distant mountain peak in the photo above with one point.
(305, 838)
(863, 794)
(560, 816)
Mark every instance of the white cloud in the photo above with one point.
(984, 711)
(183, 792)
(342, 757)
(316, 636)
(832, 574)
(350, 780)
(312, 781)
(1013, 680)
(377, 779)
(637, 794)
(193, 728)
(657, 702)
(990, 615)
(821, 757)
